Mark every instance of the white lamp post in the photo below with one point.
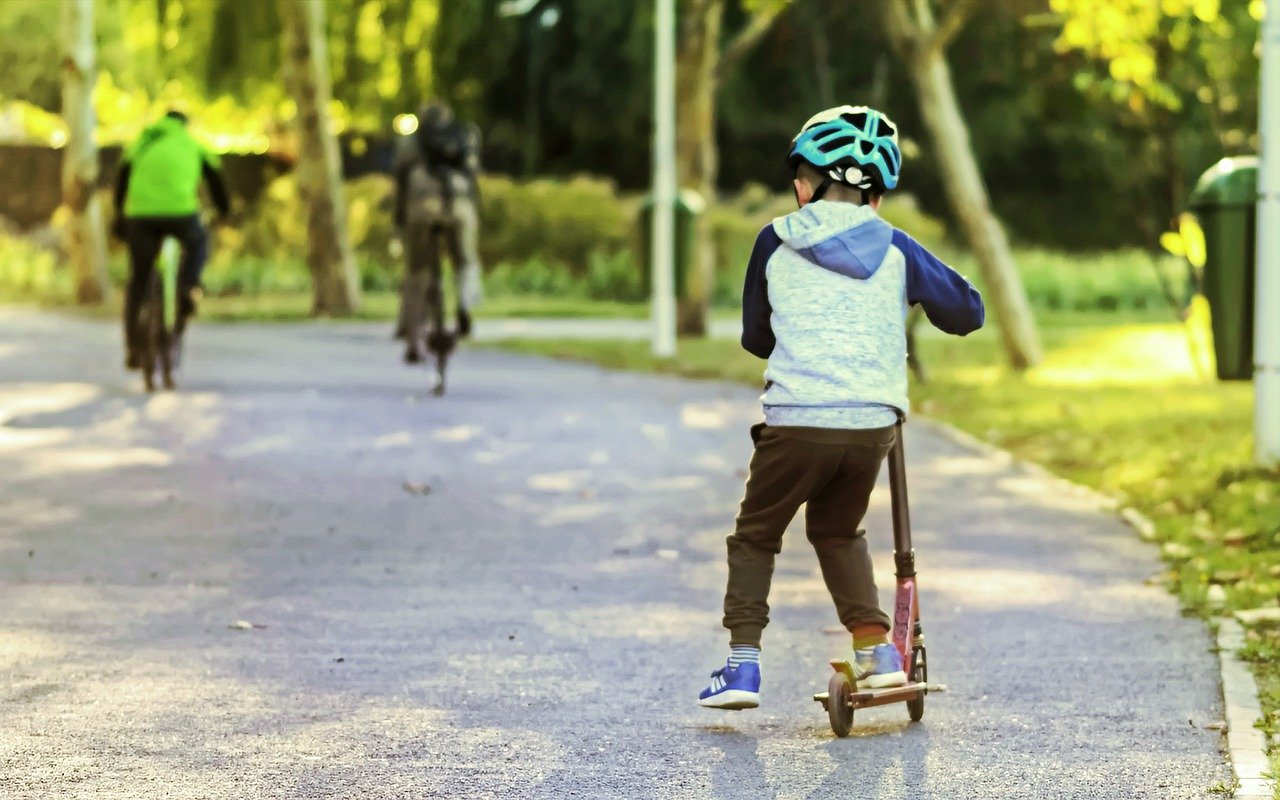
(1266, 342)
(662, 252)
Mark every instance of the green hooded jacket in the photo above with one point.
(162, 171)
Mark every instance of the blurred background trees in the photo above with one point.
(1087, 118)
(1076, 103)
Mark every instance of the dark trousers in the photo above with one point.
(831, 470)
(421, 296)
(144, 236)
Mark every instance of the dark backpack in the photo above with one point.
(446, 147)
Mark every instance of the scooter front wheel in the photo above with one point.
(919, 675)
(839, 709)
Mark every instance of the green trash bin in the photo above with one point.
(689, 206)
(1225, 201)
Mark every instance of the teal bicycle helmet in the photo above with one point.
(853, 145)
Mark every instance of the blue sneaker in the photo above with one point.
(879, 667)
(733, 688)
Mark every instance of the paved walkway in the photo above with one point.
(512, 591)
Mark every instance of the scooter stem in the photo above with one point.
(903, 555)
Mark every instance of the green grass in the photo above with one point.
(1118, 404)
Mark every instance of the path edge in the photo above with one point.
(1245, 745)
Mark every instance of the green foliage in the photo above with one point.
(29, 52)
(614, 277)
(236, 274)
(1090, 122)
(1111, 281)
(490, 67)
(30, 273)
(535, 277)
(563, 222)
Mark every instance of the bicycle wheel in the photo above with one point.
(151, 333)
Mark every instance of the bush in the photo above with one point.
(614, 277)
(561, 222)
(1125, 279)
(534, 276)
(268, 252)
(28, 272)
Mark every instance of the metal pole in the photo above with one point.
(1266, 342)
(664, 181)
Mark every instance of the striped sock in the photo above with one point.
(743, 654)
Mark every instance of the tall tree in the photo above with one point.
(921, 43)
(1156, 72)
(86, 238)
(702, 64)
(336, 290)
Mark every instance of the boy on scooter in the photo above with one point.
(825, 301)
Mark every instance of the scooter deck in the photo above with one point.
(866, 698)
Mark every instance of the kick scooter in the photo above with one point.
(842, 696)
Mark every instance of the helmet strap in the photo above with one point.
(821, 190)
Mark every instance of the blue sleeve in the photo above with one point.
(757, 332)
(949, 301)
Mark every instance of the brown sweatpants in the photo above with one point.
(833, 471)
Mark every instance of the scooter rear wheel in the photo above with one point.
(838, 708)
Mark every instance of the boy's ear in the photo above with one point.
(875, 202)
(804, 192)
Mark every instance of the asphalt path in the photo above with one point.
(514, 590)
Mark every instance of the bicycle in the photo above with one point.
(159, 337)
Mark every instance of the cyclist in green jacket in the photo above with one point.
(158, 195)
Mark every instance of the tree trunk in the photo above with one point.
(697, 54)
(336, 290)
(86, 238)
(969, 202)
(918, 43)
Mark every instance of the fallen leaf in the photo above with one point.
(420, 489)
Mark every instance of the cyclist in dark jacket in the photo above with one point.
(157, 195)
(436, 214)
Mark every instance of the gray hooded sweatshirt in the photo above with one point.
(825, 301)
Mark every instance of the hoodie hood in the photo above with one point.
(847, 239)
